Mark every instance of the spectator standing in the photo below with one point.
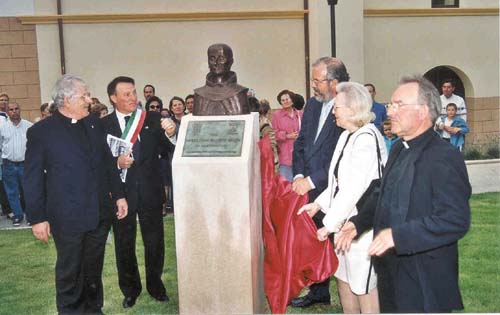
(148, 91)
(377, 108)
(154, 104)
(389, 137)
(286, 123)
(266, 129)
(451, 127)
(422, 211)
(13, 143)
(4, 101)
(189, 103)
(313, 150)
(44, 112)
(448, 87)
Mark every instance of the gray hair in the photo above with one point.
(427, 94)
(335, 68)
(66, 87)
(359, 100)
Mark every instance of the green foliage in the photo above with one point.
(492, 152)
(472, 154)
(27, 266)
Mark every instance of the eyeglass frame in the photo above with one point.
(316, 81)
(154, 106)
(395, 105)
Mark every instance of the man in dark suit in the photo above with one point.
(313, 150)
(70, 181)
(144, 189)
(423, 209)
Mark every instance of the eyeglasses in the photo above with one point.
(316, 81)
(395, 106)
(154, 106)
(83, 96)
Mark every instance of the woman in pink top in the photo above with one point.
(286, 123)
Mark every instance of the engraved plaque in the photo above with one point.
(214, 138)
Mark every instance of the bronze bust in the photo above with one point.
(221, 95)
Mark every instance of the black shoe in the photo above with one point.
(128, 301)
(306, 301)
(161, 297)
(16, 222)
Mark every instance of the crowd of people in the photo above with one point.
(397, 251)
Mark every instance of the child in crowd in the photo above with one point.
(389, 137)
(451, 127)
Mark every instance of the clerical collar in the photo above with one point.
(417, 141)
(67, 119)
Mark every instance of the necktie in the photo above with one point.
(136, 146)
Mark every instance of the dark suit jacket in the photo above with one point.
(143, 186)
(64, 183)
(433, 206)
(310, 158)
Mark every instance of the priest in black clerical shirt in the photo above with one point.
(423, 209)
(71, 186)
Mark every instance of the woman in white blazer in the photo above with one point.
(354, 165)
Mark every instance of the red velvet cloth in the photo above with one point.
(294, 258)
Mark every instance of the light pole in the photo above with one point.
(332, 4)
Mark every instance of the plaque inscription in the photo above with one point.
(214, 138)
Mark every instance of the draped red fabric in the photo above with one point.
(294, 258)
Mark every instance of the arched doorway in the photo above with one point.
(437, 74)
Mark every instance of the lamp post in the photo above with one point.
(332, 4)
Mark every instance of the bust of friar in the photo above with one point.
(221, 95)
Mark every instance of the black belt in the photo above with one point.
(7, 161)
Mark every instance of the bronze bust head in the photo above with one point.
(221, 95)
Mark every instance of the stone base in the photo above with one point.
(218, 232)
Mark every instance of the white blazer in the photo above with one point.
(357, 168)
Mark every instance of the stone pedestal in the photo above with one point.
(218, 220)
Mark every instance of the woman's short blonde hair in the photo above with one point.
(359, 101)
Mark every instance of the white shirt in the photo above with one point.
(461, 109)
(325, 110)
(121, 119)
(13, 139)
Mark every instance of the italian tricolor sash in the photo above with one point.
(134, 126)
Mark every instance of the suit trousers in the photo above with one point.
(320, 291)
(80, 258)
(151, 222)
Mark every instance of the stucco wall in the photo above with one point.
(405, 45)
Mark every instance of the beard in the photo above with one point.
(322, 97)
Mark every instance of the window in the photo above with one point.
(445, 4)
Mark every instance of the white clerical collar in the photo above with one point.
(406, 145)
(73, 121)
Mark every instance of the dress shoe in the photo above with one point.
(128, 301)
(306, 301)
(161, 297)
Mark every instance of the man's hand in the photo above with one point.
(322, 234)
(41, 231)
(381, 243)
(301, 186)
(310, 208)
(125, 160)
(122, 208)
(169, 126)
(344, 238)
